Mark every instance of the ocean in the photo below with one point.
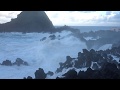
(93, 28)
(46, 54)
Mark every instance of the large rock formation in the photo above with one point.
(29, 21)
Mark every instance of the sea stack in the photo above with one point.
(29, 21)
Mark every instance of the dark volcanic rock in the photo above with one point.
(95, 66)
(29, 21)
(44, 38)
(19, 62)
(71, 74)
(25, 63)
(7, 63)
(24, 78)
(40, 74)
(29, 77)
(82, 75)
(52, 37)
(67, 64)
(110, 71)
(50, 73)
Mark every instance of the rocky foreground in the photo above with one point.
(100, 65)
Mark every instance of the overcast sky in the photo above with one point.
(73, 18)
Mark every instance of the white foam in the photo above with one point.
(105, 47)
(45, 54)
(91, 38)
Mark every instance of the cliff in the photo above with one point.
(29, 21)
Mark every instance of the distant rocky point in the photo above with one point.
(115, 29)
(29, 21)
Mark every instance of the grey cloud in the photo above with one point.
(87, 11)
(115, 18)
(7, 17)
(108, 12)
(83, 11)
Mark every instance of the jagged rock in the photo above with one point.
(59, 37)
(89, 70)
(67, 64)
(68, 59)
(114, 61)
(110, 71)
(50, 73)
(81, 75)
(25, 63)
(88, 63)
(119, 66)
(92, 51)
(109, 68)
(110, 58)
(80, 63)
(24, 78)
(52, 37)
(85, 51)
(19, 62)
(29, 77)
(59, 70)
(95, 66)
(79, 54)
(44, 38)
(81, 60)
(29, 21)
(67, 28)
(40, 74)
(7, 63)
(71, 74)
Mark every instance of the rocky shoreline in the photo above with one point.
(104, 67)
(18, 62)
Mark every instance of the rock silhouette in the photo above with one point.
(29, 21)
(40, 74)
(18, 62)
(7, 63)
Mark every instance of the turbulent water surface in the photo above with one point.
(45, 54)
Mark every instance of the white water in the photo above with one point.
(91, 38)
(105, 47)
(45, 54)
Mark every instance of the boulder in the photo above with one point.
(40, 74)
(25, 63)
(29, 77)
(71, 74)
(7, 63)
(52, 37)
(95, 66)
(110, 71)
(50, 73)
(44, 38)
(82, 75)
(19, 61)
